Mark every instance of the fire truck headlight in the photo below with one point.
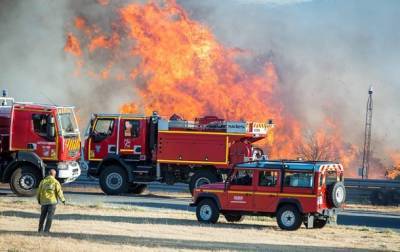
(62, 166)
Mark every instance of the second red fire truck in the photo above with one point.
(125, 151)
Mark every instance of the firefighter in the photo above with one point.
(48, 195)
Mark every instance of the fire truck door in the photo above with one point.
(267, 189)
(240, 192)
(131, 140)
(103, 139)
(31, 132)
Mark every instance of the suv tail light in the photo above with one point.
(320, 200)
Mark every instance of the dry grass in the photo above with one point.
(101, 228)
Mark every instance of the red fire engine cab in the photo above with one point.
(33, 139)
(125, 151)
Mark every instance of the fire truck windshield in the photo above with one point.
(68, 124)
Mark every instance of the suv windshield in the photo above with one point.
(68, 122)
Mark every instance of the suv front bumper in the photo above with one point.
(68, 171)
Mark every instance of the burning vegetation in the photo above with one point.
(176, 65)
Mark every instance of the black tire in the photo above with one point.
(113, 180)
(318, 223)
(234, 217)
(137, 188)
(25, 180)
(207, 211)
(202, 177)
(288, 218)
(336, 194)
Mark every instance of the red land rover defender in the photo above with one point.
(294, 192)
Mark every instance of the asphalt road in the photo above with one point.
(152, 200)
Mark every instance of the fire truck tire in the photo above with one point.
(234, 217)
(336, 194)
(202, 177)
(113, 180)
(289, 218)
(207, 211)
(137, 188)
(24, 181)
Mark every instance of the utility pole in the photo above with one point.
(367, 136)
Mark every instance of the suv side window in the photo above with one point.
(268, 178)
(131, 128)
(299, 179)
(104, 127)
(243, 177)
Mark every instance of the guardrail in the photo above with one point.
(373, 191)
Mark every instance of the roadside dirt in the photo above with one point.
(101, 228)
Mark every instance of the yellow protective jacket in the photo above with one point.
(49, 191)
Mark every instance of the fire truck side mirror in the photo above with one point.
(51, 128)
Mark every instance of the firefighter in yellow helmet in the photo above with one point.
(49, 194)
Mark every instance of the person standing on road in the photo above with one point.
(48, 195)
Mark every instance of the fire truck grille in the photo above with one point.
(73, 144)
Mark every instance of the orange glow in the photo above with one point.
(72, 45)
(180, 67)
(394, 173)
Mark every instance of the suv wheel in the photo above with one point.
(24, 181)
(137, 188)
(318, 223)
(200, 178)
(207, 211)
(289, 218)
(234, 217)
(337, 194)
(113, 180)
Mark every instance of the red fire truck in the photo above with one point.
(125, 151)
(35, 138)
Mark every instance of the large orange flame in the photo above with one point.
(181, 68)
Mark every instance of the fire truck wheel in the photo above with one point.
(207, 211)
(24, 181)
(200, 178)
(234, 217)
(113, 180)
(137, 188)
(288, 218)
(337, 194)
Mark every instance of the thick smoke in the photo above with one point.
(327, 53)
(34, 66)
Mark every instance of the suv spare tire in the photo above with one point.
(336, 194)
